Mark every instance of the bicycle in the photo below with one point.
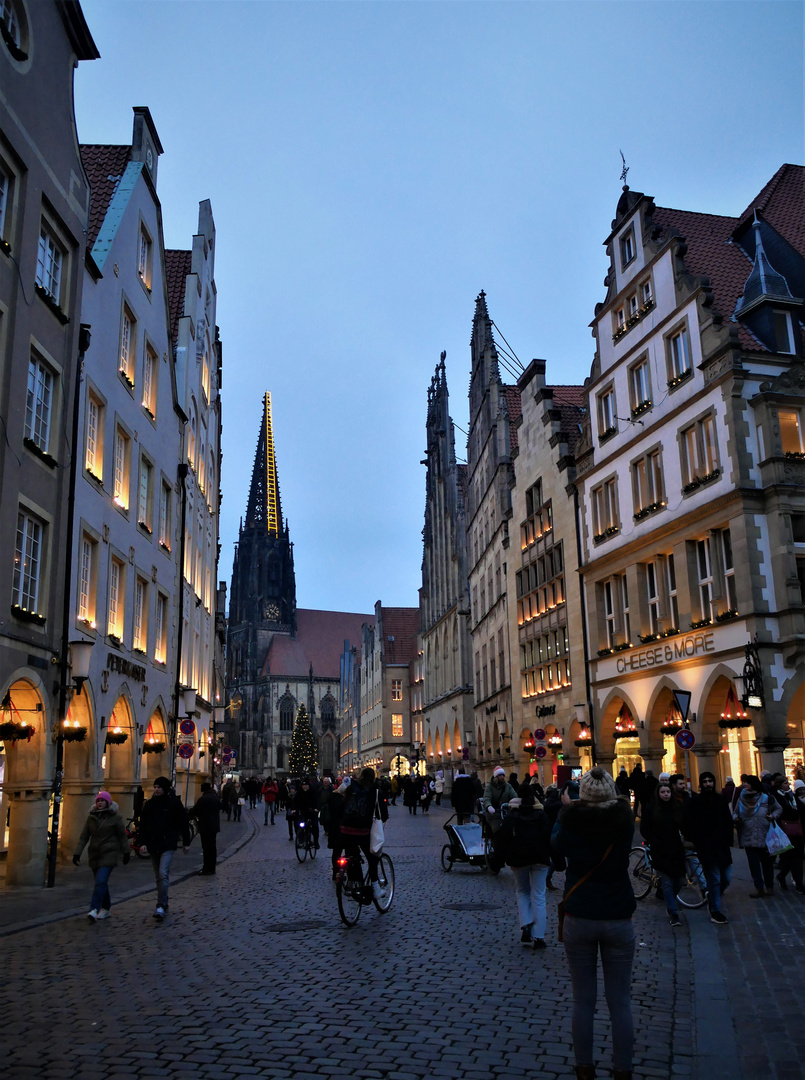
(643, 878)
(304, 840)
(136, 844)
(353, 886)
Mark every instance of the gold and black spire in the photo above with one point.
(264, 510)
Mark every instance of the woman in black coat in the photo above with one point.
(595, 835)
(660, 828)
(524, 840)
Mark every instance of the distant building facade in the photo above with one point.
(445, 715)
(389, 644)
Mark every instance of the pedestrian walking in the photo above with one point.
(163, 823)
(290, 798)
(497, 792)
(660, 827)
(755, 810)
(524, 841)
(463, 796)
(707, 823)
(410, 794)
(105, 833)
(270, 792)
(228, 798)
(791, 823)
(595, 836)
(438, 787)
(207, 812)
(637, 785)
(238, 800)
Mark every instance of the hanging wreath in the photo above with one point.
(116, 738)
(155, 747)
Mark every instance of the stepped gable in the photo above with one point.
(710, 253)
(515, 410)
(104, 166)
(319, 642)
(570, 402)
(178, 265)
(402, 624)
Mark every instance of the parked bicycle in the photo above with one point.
(353, 886)
(644, 878)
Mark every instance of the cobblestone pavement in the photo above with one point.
(253, 974)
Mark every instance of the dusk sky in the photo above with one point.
(372, 166)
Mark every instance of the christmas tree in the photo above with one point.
(302, 759)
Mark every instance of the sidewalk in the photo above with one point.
(30, 906)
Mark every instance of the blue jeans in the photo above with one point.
(761, 867)
(100, 894)
(718, 877)
(162, 868)
(670, 887)
(529, 882)
(616, 940)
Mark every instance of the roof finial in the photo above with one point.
(624, 171)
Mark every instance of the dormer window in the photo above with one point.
(784, 332)
(627, 248)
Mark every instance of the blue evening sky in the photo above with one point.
(373, 165)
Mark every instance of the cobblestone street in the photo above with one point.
(253, 974)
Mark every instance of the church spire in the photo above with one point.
(264, 510)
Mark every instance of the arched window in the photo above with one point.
(327, 712)
(286, 714)
(280, 757)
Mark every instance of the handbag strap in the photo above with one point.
(588, 875)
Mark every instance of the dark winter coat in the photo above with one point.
(524, 838)
(659, 826)
(463, 795)
(583, 832)
(553, 804)
(106, 834)
(707, 823)
(163, 823)
(359, 809)
(207, 813)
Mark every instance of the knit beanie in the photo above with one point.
(499, 772)
(597, 786)
(163, 782)
(104, 795)
(799, 785)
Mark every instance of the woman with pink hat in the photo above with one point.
(106, 834)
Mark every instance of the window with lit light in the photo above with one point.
(120, 489)
(396, 726)
(396, 689)
(87, 580)
(116, 607)
(647, 483)
(93, 453)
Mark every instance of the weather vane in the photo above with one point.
(625, 167)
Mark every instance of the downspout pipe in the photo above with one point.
(181, 473)
(64, 687)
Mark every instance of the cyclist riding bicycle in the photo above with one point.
(360, 801)
(303, 805)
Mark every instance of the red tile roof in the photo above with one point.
(512, 396)
(319, 641)
(710, 251)
(104, 166)
(177, 266)
(781, 203)
(402, 624)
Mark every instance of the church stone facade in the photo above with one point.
(278, 656)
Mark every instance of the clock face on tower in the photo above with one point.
(272, 612)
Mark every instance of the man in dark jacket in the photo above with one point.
(463, 796)
(707, 823)
(162, 822)
(207, 813)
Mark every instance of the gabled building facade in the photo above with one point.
(389, 643)
(492, 437)
(44, 218)
(124, 573)
(691, 485)
(446, 712)
(549, 670)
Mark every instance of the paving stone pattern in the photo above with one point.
(253, 975)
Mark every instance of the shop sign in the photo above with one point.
(671, 652)
(546, 710)
(125, 667)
